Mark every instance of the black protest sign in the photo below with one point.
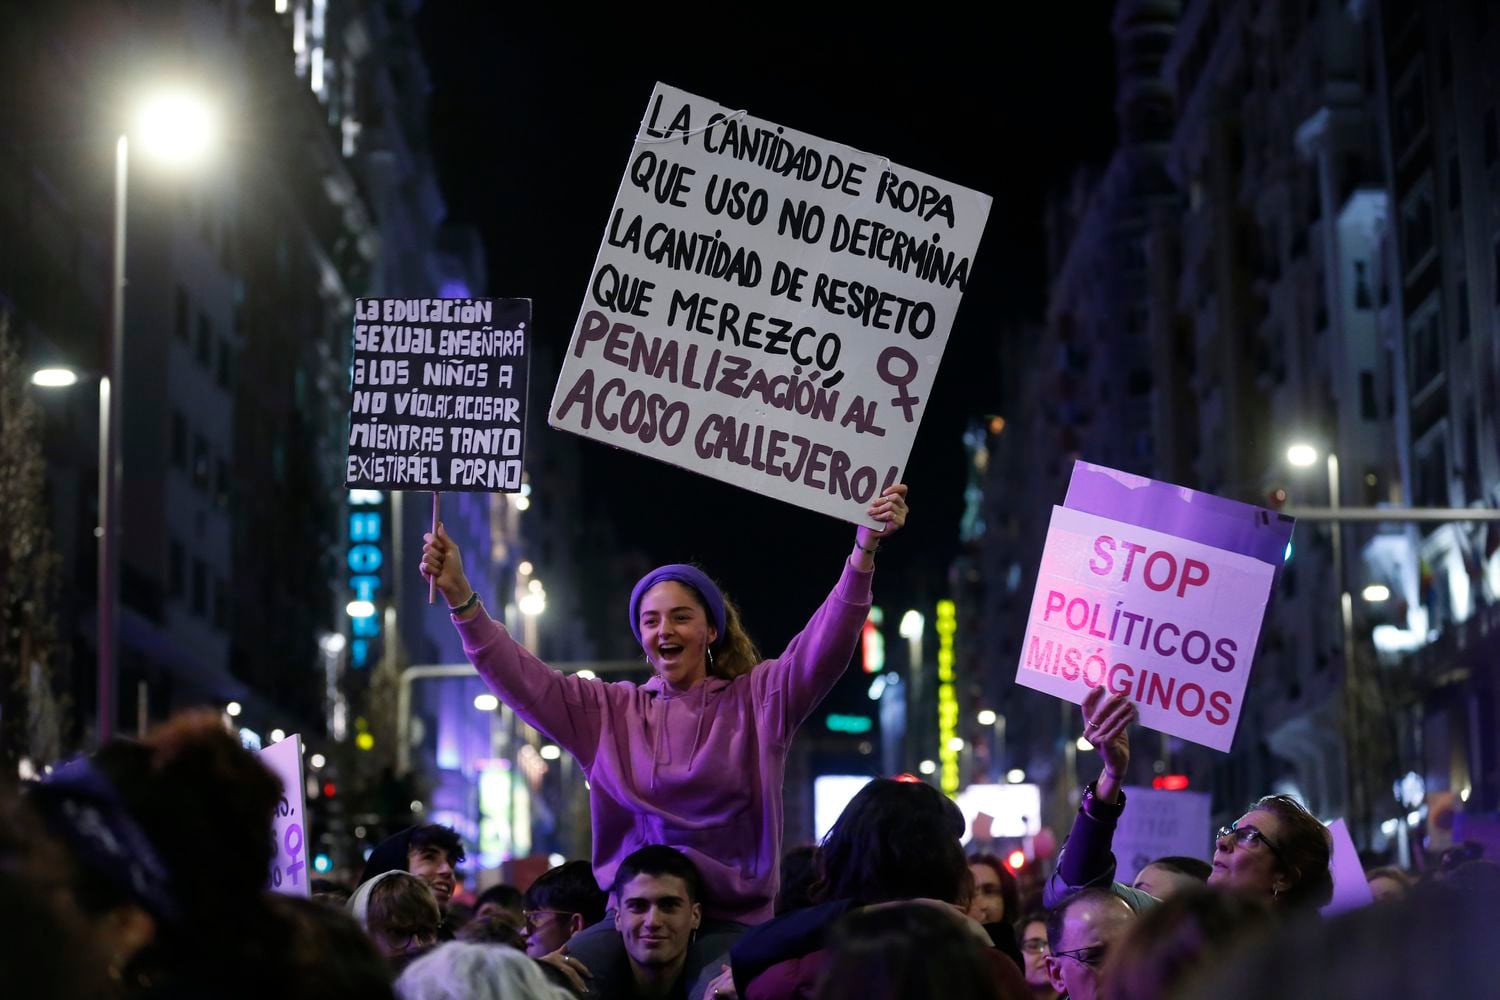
(439, 394)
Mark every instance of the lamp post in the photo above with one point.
(1304, 456)
(176, 128)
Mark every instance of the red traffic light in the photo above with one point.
(1169, 782)
(330, 789)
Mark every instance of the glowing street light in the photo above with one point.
(1375, 593)
(987, 717)
(928, 767)
(175, 127)
(233, 709)
(1015, 776)
(1302, 455)
(360, 609)
(551, 751)
(486, 702)
(54, 378)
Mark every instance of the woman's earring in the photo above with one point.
(710, 659)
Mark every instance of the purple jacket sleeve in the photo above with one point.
(568, 709)
(788, 688)
(1087, 861)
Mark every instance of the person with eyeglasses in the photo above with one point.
(1080, 933)
(1277, 849)
(560, 903)
(1032, 930)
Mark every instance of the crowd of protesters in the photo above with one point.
(141, 870)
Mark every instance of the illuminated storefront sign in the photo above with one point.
(948, 742)
(872, 643)
(365, 558)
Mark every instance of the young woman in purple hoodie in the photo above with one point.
(695, 757)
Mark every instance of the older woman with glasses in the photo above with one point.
(1277, 850)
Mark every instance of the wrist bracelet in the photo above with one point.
(870, 552)
(465, 606)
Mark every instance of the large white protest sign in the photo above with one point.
(1170, 622)
(1158, 824)
(290, 871)
(767, 308)
(438, 394)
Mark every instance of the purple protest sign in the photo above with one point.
(1166, 620)
(1350, 889)
(1176, 510)
(290, 871)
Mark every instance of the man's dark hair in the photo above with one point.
(1195, 867)
(507, 897)
(569, 888)
(1056, 915)
(445, 838)
(657, 860)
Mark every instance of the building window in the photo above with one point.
(176, 571)
(1425, 348)
(180, 315)
(1432, 475)
(1418, 232)
(200, 588)
(179, 440)
(1411, 111)
(1369, 409)
(201, 463)
(205, 340)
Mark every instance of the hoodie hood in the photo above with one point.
(359, 903)
(389, 855)
(664, 696)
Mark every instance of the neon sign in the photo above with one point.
(365, 558)
(947, 625)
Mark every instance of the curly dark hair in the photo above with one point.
(895, 840)
(444, 838)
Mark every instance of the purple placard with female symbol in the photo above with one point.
(290, 871)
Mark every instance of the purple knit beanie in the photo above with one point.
(682, 573)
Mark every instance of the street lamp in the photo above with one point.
(173, 127)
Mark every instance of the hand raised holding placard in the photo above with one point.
(1106, 724)
(889, 507)
(443, 565)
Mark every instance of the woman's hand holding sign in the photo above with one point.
(889, 507)
(1106, 725)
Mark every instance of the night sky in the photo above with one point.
(531, 130)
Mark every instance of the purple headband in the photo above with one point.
(682, 573)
